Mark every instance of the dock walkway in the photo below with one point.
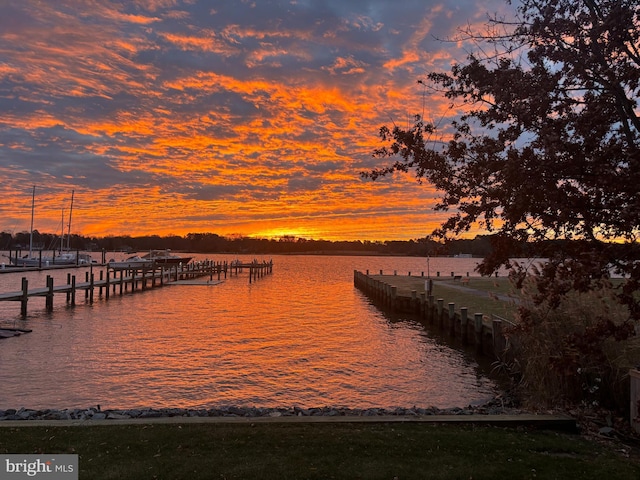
(133, 279)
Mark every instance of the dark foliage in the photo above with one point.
(549, 146)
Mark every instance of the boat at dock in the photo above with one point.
(64, 258)
(130, 263)
(165, 257)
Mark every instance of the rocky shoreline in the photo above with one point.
(495, 407)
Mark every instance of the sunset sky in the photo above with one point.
(230, 117)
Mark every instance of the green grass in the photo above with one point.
(479, 300)
(321, 451)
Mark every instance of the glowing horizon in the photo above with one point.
(251, 119)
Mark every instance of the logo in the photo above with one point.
(50, 467)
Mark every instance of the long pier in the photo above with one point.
(137, 279)
(486, 332)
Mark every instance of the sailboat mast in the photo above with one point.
(69, 229)
(33, 205)
(62, 232)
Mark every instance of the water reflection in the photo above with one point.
(303, 336)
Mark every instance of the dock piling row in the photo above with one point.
(486, 333)
(133, 279)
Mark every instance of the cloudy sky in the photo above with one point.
(231, 117)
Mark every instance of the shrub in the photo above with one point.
(572, 348)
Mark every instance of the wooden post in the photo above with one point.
(452, 317)
(478, 330)
(73, 290)
(107, 290)
(25, 297)
(101, 278)
(49, 298)
(463, 324)
(68, 291)
(86, 279)
(91, 289)
(428, 287)
(440, 310)
(394, 298)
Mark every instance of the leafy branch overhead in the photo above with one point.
(549, 142)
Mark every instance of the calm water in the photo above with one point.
(303, 336)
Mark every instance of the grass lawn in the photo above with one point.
(480, 295)
(487, 295)
(321, 451)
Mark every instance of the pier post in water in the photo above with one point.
(73, 290)
(25, 297)
(49, 297)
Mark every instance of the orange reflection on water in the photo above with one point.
(302, 336)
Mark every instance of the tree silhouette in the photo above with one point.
(548, 146)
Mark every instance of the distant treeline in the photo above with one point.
(213, 243)
(479, 246)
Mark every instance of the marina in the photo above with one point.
(122, 277)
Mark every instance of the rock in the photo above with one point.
(117, 416)
(12, 416)
(493, 407)
(25, 414)
(150, 414)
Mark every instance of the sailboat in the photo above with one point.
(28, 261)
(63, 258)
(66, 256)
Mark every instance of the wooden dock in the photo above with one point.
(132, 280)
(486, 332)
